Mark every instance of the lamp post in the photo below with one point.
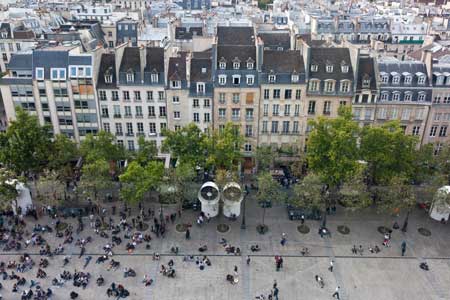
(243, 226)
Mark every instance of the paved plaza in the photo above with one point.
(386, 275)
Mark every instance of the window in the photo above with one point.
(287, 110)
(250, 65)
(162, 111)
(149, 95)
(176, 100)
(119, 129)
(357, 113)
(222, 65)
(297, 110)
(382, 113)
(126, 95)
(298, 94)
(396, 79)
(161, 95)
(272, 78)
(327, 107)
(115, 95)
(130, 77)
(345, 86)
(140, 127)
(406, 113)
(206, 103)
(274, 127)
(366, 82)
(236, 79)
(295, 127)
(329, 68)
(407, 97)
(236, 65)
(127, 111)
(235, 113)
(177, 127)
(314, 68)
(384, 79)
(106, 127)
(248, 130)
(116, 111)
(329, 86)
(120, 142)
(207, 117)
(222, 112)
(408, 79)
(344, 68)
(394, 113)
(421, 79)
(249, 114)
(138, 111)
(58, 74)
(264, 126)
(384, 96)
(287, 94)
(395, 96)
(440, 80)
(221, 98)
(314, 85)
(276, 94)
(266, 93)
(222, 79)
(250, 79)
(137, 96)
(433, 131)
(195, 103)
(130, 129)
(295, 78)
(73, 71)
(443, 131)
(175, 84)
(235, 97)
(266, 110)
(312, 107)
(248, 148)
(151, 112)
(102, 95)
(131, 145)
(421, 97)
(416, 130)
(200, 88)
(419, 114)
(152, 128)
(154, 78)
(176, 115)
(105, 113)
(275, 109)
(285, 128)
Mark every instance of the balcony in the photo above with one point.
(105, 115)
(236, 118)
(117, 116)
(119, 133)
(130, 134)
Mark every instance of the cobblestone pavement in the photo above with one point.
(386, 275)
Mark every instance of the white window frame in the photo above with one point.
(222, 79)
(329, 68)
(314, 68)
(407, 97)
(250, 66)
(422, 79)
(421, 96)
(250, 79)
(345, 68)
(272, 78)
(37, 72)
(200, 87)
(236, 65)
(295, 78)
(58, 77)
(346, 84)
(130, 77)
(72, 68)
(395, 96)
(222, 65)
(384, 96)
(236, 77)
(108, 78)
(396, 79)
(408, 79)
(175, 84)
(384, 78)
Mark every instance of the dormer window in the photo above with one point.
(236, 79)
(236, 65)
(384, 78)
(250, 65)
(421, 79)
(154, 77)
(200, 88)
(329, 68)
(222, 65)
(440, 80)
(175, 84)
(4, 34)
(295, 78)
(344, 68)
(39, 73)
(222, 79)
(314, 68)
(272, 78)
(130, 76)
(408, 79)
(396, 79)
(108, 78)
(366, 82)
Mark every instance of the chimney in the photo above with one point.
(188, 68)
(143, 60)
(427, 59)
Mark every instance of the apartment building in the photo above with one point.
(366, 92)
(281, 107)
(236, 87)
(55, 84)
(131, 94)
(14, 39)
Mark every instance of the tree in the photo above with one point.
(101, 147)
(95, 176)
(308, 193)
(147, 151)
(354, 194)
(8, 191)
(178, 182)
(188, 144)
(25, 146)
(63, 152)
(223, 177)
(223, 147)
(138, 180)
(268, 190)
(388, 152)
(443, 161)
(425, 165)
(332, 148)
(265, 158)
(49, 187)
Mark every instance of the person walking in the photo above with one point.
(319, 280)
(188, 234)
(275, 293)
(248, 260)
(330, 268)
(336, 293)
(403, 248)
(302, 219)
(235, 271)
(283, 239)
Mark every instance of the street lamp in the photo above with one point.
(243, 226)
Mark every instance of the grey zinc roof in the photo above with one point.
(80, 60)
(200, 69)
(400, 67)
(6, 27)
(21, 62)
(334, 56)
(283, 61)
(131, 59)
(107, 63)
(366, 68)
(154, 59)
(229, 53)
(243, 36)
(177, 68)
(276, 39)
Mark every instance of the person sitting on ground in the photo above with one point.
(255, 248)
(360, 250)
(354, 250)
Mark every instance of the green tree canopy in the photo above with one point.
(187, 144)
(265, 158)
(332, 147)
(268, 190)
(308, 193)
(63, 152)
(8, 191)
(354, 193)
(388, 152)
(95, 176)
(137, 180)
(396, 196)
(25, 146)
(101, 147)
(147, 151)
(224, 147)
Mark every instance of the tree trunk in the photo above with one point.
(264, 216)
